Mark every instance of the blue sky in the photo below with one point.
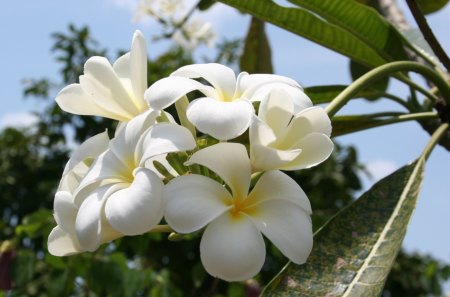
(26, 26)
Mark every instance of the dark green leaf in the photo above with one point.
(23, 268)
(362, 21)
(313, 27)
(256, 57)
(353, 253)
(430, 6)
(205, 4)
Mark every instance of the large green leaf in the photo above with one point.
(353, 253)
(362, 21)
(313, 27)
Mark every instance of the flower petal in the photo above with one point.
(276, 185)
(192, 201)
(222, 120)
(89, 217)
(314, 119)
(219, 76)
(91, 148)
(276, 111)
(316, 148)
(293, 94)
(260, 132)
(288, 226)
(124, 145)
(230, 162)
(65, 211)
(60, 243)
(265, 158)
(103, 84)
(164, 138)
(75, 100)
(138, 59)
(248, 84)
(138, 208)
(167, 91)
(232, 248)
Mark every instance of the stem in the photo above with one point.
(392, 120)
(428, 33)
(161, 228)
(437, 135)
(181, 107)
(383, 71)
(396, 99)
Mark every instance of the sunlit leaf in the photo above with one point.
(353, 253)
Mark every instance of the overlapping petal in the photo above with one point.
(61, 243)
(192, 201)
(115, 92)
(230, 162)
(222, 120)
(232, 249)
(137, 208)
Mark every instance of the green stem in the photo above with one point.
(382, 71)
(396, 99)
(437, 135)
(181, 107)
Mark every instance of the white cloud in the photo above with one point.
(381, 168)
(18, 119)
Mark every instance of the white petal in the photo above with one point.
(266, 158)
(89, 217)
(192, 201)
(293, 94)
(75, 100)
(167, 91)
(249, 84)
(260, 132)
(164, 138)
(138, 59)
(138, 208)
(91, 148)
(314, 119)
(219, 76)
(230, 162)
(124, 145)
(60, 243)
(275, 185)
(288, 226)
(222, 120)
(315, 147)
(65, 211)
(276, 111)
(232, 248)
(102, 83)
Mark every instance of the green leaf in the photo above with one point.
(430, 6)
(353, 253)
(311, 26)
(324, 94)
(362, 21)
(205, 4)
(257, 57)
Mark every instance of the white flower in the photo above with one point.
(283, 138)
(120, 195)
(232, 247)
(63, 240)
(194, 33)
(226, 110)
(115, 92)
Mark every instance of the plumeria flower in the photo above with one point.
(194, 33)
(110, 91)
(226, 110)
(63, 239)
(119, 188)
(232, 246)
(281, 138)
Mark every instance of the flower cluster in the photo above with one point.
(218, 172)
